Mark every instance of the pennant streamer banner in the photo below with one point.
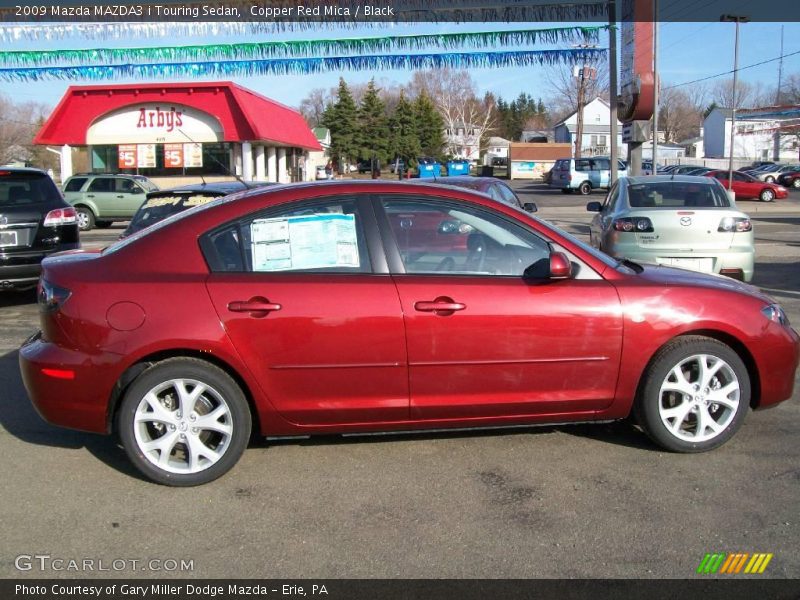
(290, 49)
(302, 66)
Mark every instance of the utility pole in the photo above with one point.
(612, 84)
(778, 94)
(654, 153)
(734, 19)
(579, 129)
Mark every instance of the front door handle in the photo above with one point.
(257, 306)
(442, 306)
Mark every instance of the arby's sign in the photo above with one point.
(154, 123)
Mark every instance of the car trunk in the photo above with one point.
(682, 230)
(18, 227)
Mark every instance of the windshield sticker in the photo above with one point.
(308, 242)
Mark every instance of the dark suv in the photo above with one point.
(35, 221)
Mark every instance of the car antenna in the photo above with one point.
(214, 158)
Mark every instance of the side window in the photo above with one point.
(582, 165)
(314, 237)
(494, 192)
(611, 199)
(437, 238)
(737, 177)
(601, 164)
(101, 184)
(75, 184)
(509, 197)
(126, 186)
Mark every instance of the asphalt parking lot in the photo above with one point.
(568, 501)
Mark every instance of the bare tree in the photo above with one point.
(722, 94)
(313, 105)
(680, 116)
(18, 126)
(455, 95)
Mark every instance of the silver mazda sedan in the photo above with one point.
(680, 221)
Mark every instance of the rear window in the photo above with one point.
(75, 184)
(148, 185)
(20, 189)
(160, 206)
(676, 194)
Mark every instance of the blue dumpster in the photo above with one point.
(428, 167)
(458, 167)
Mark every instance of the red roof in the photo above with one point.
(243, 114)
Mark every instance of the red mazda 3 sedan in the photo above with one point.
(378, 306)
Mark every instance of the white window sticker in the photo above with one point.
(308, 242)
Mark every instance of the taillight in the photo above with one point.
(735, 224)
(61, 216)
(637, 224)
(51, 297)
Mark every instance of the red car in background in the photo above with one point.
(343, 307)
(790, 179)
(745, 186)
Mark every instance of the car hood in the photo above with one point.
(674, 276)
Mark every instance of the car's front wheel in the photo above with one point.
(585, 188)
(769, 179)
(184, 422)
(767, 196)
(796, 183)
(695, 395)
(85, 218)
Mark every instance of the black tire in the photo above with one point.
(796, 182)
(681, 353)
(769, 179)
(220, 392)
(585, 188)
(85, 218)
(767, 195)
(103, 224)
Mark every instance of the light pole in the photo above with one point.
(654, 153)
(734, 19)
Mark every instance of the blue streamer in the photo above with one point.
(306, 66)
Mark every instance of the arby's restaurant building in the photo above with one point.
(180, 131)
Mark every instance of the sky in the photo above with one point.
(687, 51)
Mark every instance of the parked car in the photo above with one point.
(34, 223)
(684, 169)
(698, 171)
(102, 198)
(164, 203)
(262, 312)
(680, 221)
(772, 174)
(790, 179)
(494, 188)
(762, 163)
(747, 187)
(583, 174)
(364, 166)
(397, 166)
(320, 172)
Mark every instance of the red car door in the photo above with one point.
(485, 342)
(320, 331)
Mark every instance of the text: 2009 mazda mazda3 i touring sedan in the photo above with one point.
(364, 306)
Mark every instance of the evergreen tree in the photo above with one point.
(373, 130)
(430, 126)
(342, 120)
(403, 138)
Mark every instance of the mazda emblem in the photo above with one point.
(686, 221)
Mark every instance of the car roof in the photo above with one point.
(23, 170)
(642, 179)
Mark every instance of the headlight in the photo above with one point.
(775, 313)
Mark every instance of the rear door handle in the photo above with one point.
(257, 306)
(442, 306)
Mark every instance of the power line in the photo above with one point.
(758, 64)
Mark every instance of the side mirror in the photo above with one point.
(530, 207)
(594, 207)
(560, 267)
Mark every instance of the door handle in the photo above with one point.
(257, 306)
(90, 195)
(120, 196)
(442, 306)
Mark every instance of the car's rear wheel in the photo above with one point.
(85, 218)
(184, 422)
(769, 179)
(585, 188)
(695, 395)
(767, 195)
(796, 183)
